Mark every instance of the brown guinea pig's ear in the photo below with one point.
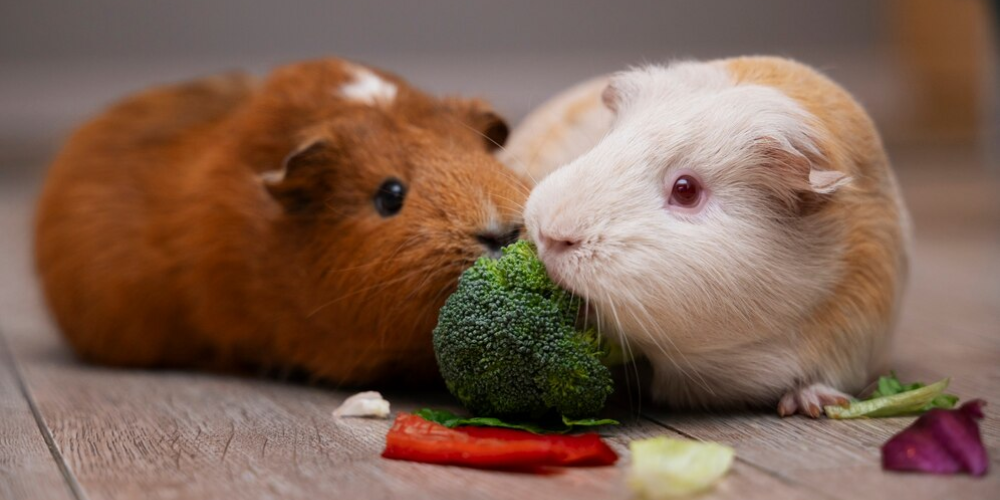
(494, 129)
(301, 183)
(480, 117)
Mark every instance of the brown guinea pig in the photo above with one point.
(316, 221)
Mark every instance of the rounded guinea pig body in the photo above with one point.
(316, 221)
(559, 131)
(740, 225)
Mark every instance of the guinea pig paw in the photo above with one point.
(810, 400)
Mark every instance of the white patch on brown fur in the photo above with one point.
(272, 176)
(367, 87)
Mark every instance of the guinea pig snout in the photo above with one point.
(556, 243)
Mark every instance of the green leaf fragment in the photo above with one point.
(890, 385)
(588, 422)
(450, 420)
(887, 386)
(443, 417)
(664, 467)
(944, 401)
(899, 401)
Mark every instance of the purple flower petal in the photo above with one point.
(941, 442)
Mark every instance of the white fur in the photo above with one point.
(491, 215)
(368, 88)
(713, 299)
(272, 176)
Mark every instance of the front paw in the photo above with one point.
(810, 400)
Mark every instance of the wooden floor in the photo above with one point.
(72, 431)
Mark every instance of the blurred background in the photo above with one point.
(926, 69)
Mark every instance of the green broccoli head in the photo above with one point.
(507, 343)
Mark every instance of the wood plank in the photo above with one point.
(27, 467)
(180, 435)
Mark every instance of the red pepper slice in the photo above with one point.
(579, 450)
(416, 439)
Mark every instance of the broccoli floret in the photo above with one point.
(507, 343)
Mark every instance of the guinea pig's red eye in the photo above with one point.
(686, 192)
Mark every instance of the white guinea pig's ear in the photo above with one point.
(799, 174)
(609, 96)
(615, 93)
(827, 181)
(301, 182)
(619, 91)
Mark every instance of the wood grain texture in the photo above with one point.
(180, 435)
(27, 468)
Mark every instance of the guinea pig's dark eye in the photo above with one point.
(389, 197)
(686, 192)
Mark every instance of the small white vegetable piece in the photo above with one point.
(363, 404)
(663, 467)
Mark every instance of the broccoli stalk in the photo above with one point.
(507, 343)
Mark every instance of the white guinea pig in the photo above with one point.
(737, 222)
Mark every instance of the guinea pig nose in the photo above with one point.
(556, 244)
(495, 240)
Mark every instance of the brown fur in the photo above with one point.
(159, 244)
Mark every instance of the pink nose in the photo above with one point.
(558, 244)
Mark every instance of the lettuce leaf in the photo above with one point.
(450, 420)
(664, 467)
(893, 399)
(890, 386)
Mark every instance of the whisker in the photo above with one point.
(428, 311)
(363, 290)
(372, 262)
(696, 377)
(519, 204)
(622, 337)
(499, 146)
(428, 272)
